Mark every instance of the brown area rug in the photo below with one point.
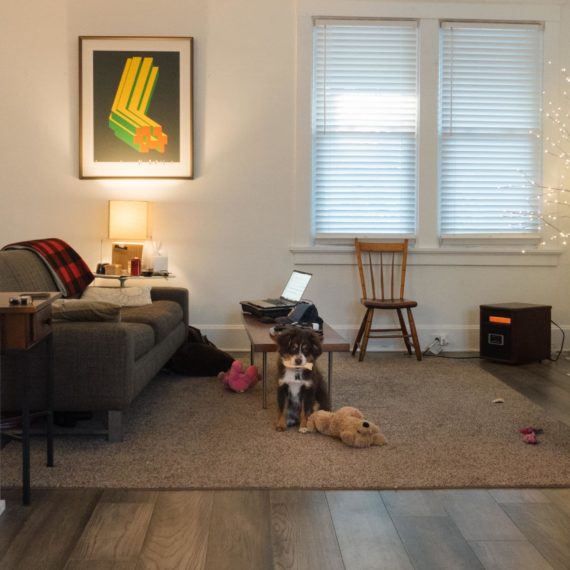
(442, 427)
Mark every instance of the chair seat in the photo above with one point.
(389, 303)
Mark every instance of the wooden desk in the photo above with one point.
(261, 341)
(22, 327)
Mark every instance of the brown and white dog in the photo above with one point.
(301, 389)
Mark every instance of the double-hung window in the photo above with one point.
(364, 128)
(366, 116)
(490, 99)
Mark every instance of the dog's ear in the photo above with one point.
(284, 339)
(316, 344)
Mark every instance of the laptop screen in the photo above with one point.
(296, 286)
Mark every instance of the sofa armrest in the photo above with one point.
(177, 294)
(93, 363)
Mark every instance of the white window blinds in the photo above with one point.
(364, 128)
(490, 99)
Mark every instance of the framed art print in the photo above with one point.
(136, 107)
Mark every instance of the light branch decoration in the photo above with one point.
(549, 209)
(554, 200)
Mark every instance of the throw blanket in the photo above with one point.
(70, 273)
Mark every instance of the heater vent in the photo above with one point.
(496, 339)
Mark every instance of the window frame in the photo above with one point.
(304, 243)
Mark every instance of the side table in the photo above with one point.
(123, 278)
(22, 327)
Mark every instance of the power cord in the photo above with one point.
(452, 357)
(561, 344)
(427, 352)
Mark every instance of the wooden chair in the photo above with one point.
(382, 270)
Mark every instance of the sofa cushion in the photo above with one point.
(124, 296)
(80, 310)
(92, 341)
(144, 338)
(162, 316)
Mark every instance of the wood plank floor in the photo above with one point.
(88, 529)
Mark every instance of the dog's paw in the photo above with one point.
(303, 430)
(280, 427)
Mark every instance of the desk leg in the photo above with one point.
(330, 377)
(49, 411)
(264, 379)
(25, 435)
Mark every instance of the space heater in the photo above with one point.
(515, 332)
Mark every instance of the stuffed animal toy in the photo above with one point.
(237, 379)
(348, 425)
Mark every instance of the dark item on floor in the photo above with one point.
(199, 356)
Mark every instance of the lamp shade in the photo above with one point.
(128, 220)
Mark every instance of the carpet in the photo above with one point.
(443, 431)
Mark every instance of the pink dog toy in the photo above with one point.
(237, 379)
(529, 434)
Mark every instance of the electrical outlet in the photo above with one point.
(441, 338)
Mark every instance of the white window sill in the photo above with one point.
(511, 256)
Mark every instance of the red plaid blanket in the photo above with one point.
(71, 274)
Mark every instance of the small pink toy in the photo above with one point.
(529, 434)
(237, 379)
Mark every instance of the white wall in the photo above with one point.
(229, 232)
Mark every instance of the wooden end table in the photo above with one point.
(22, 327)
(261, 341)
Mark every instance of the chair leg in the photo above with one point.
(404, 330)
(414, 334)
(366, 334)
(359, 335)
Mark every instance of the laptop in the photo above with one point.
(292, 294)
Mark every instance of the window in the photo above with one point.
(456, 162)
(490, 99)
(364, 128)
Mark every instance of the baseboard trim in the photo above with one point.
(461, 338)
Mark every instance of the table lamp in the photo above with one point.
(128, 229)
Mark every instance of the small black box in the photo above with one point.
(515, 332)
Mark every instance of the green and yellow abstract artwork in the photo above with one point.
(136, 107)
(129, 117)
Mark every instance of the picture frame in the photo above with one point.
(136, 107)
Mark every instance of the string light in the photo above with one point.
(553, 199)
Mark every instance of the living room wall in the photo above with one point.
(231, 233)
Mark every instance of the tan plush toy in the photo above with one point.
(348, 425)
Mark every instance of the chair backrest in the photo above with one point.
(382, 269)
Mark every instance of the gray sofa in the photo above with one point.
(98, 366)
